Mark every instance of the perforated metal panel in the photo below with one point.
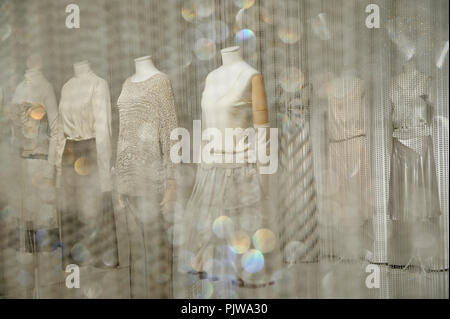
(295, 45)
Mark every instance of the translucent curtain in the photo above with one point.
(315, 56)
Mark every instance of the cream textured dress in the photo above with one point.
(143, 165)
(147, 116)
(226, 240)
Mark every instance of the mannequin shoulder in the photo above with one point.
(67, 86)
(20, 86)
(214, 74)
(251, 70)
(251, 75)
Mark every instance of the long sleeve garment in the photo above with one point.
(35, 105)
(147, 117)
(85, 110)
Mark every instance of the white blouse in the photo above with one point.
(85, 110)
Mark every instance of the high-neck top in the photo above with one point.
(228, 105)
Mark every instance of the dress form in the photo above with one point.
(233, 98)
(232, 66)
(144, 69)
(85, 136)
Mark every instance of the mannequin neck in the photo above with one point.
(144, 69)
(231, 55)
(81, 68)
(32, 73)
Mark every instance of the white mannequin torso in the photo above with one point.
(145, 69)
(224, 77)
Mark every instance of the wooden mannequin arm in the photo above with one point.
(261, 119)
(259, 101)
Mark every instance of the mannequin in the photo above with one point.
(349, 192)
(84, 155)
(35, 117)
(144, 176)
(229, 200)
(414, 207)
(145, 69)
(232, 64)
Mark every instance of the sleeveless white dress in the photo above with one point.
(227, 244)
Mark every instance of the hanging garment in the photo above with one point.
(143, 165)
(298, 214)
(414, 208)
(225, 239)
(349, 194)
(87, 221)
